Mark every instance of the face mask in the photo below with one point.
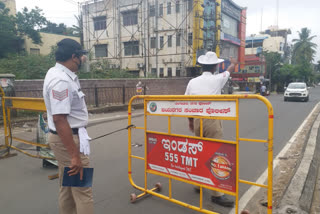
(80, 64)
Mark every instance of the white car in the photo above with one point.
(297, 91)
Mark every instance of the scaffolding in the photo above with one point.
(186, 22)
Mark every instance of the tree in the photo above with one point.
(273, 63)
(303, 48)
(9, 41)
(29, 23)
(318, 66)
(79, 29)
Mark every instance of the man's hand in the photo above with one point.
(233, 64)
(76, 166)
(233, 61)
(65, 133)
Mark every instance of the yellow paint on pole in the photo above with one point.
(235, 98)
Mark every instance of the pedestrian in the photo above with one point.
(67, 118)
(210, 83)
(263, 90)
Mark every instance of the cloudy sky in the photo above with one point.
(293, 14)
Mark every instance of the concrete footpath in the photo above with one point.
(301, 193)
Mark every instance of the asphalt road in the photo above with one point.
(25, 188)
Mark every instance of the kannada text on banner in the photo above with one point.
(202, 108)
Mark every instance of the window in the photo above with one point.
(130, 17)
(153, 42)
(169, 72)
(131, 48)
(101, 50)
(161, 72)
(257, 69)
(100, 23)
(178, 39)
(161, 42)
(161, 10)
(229, 25)
(154, 72)
(152, 11)
(170, 41)
(178, 71)
(190, 5)
(169, 8)
(177, 6)
(35, 51)
(190, 39)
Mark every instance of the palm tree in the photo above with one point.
(303, 48)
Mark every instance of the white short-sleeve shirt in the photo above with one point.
(62, 95)
(207, 83)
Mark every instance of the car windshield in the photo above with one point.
(297, 86)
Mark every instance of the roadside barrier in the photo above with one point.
(205, 162)
(20, 103)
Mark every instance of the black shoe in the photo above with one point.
(223, 201)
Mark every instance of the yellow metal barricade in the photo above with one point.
(196, 107)
(20, 103)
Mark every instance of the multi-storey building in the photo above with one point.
(271, 40)
(162, 38)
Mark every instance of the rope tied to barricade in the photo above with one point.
(128, 127)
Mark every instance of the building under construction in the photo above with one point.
(162, 38)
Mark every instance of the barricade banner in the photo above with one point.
(200, 108)
(205, 162)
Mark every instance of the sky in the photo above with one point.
(293, 14)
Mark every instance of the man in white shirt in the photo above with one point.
(263, 90)
(67, 118)
(210, 83)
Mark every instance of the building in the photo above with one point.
(162, 38)
(271, 40)
(48, 39)
(11, 5)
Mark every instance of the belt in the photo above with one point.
(74, 131)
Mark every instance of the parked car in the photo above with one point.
(297, 91)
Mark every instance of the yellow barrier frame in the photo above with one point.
(235, 98)
(20, 103)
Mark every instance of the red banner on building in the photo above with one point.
(204, 162)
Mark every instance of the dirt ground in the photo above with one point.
(283, 174)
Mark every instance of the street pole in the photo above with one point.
(270, 79)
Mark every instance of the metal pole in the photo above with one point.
(218, 26)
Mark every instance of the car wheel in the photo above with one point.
(307, 99)
(285, 99)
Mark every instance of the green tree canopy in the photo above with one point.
(9, 41)
(318, 66)
(303, 48)
(29, 22)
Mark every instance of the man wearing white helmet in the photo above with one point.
(210, 83)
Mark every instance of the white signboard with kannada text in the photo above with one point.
(199, 108)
